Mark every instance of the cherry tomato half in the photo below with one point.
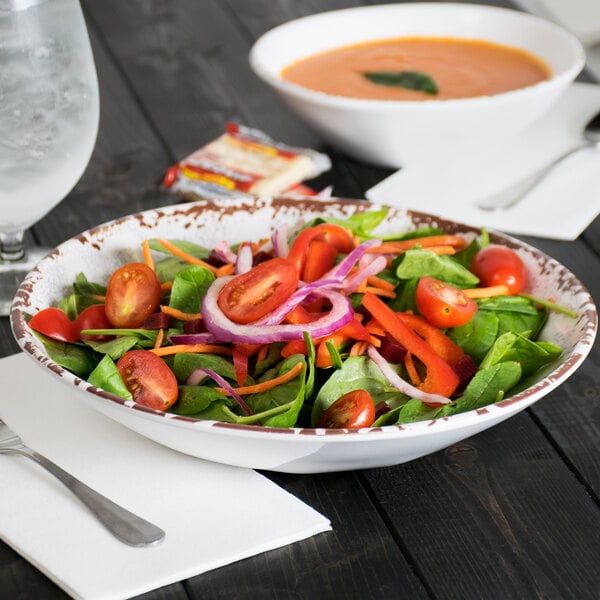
(254, 294)
(54, 323)
(133, 293)
(499, 265)
(148, 378)
(93, 317)
(443, 305)
(352, 410)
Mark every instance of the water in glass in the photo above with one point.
(49, 111)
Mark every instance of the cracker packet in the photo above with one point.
(244, 162)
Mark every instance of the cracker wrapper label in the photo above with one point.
(241, 162)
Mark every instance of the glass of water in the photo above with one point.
(49, 112)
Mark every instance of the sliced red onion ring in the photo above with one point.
(224, 252)
(402, 385)
(279, 238)
(373, 268)
(344, 267)
(226, 330)
(277, 316)
(198, 375)
(243, 261)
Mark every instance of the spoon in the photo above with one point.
(510, 197)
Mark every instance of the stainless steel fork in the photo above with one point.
(124, 525)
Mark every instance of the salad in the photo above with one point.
(327, 326)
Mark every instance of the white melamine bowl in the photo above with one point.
(99, 251)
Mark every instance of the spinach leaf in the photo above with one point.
(311, 356)
(117, 347)
(202, 401)
(411, 80)
(290, 395)
(466, 255)
(189, 287)
(417, 263)
(272, 358)
(478, 335)
(167, 268)
(515, 314)
(107, 377)
(488, 386)
(186, 363)
(77, 358)
(415, 233)
(530, 355)
(84, 295)
(361, 224)
(405, 299)
(183, 245)
(82, 286)
(415, 410)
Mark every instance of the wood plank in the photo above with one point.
(510, 513)
(358, 559)
(194, 51)
(496, 516)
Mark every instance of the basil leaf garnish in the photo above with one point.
(411, 80)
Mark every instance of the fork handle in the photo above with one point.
(124, 525)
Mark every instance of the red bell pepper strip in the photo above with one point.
(240, 366)
(334, 234)
(440, 377)
(354, 330)
(320, 258)
(443, 346)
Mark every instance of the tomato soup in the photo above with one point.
(460, 68)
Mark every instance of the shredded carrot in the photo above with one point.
(192, 348)
(166, 286)
(412, 371)
(375, 341)
(400, 246)
(159, 338)
(359, 348)
(147, 254)
(377, 291)
(486, 292)
(381, 283)
(173, 249)
(375, 328)
(99, 297)
(267, 385)
(179, 314)
(362, 287)
(442, 249)
(262, 353)
(227, 269)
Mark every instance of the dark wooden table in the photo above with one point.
(510, 513)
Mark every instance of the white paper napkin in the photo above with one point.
(581, 17)
(561, 207)
(213, 514)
